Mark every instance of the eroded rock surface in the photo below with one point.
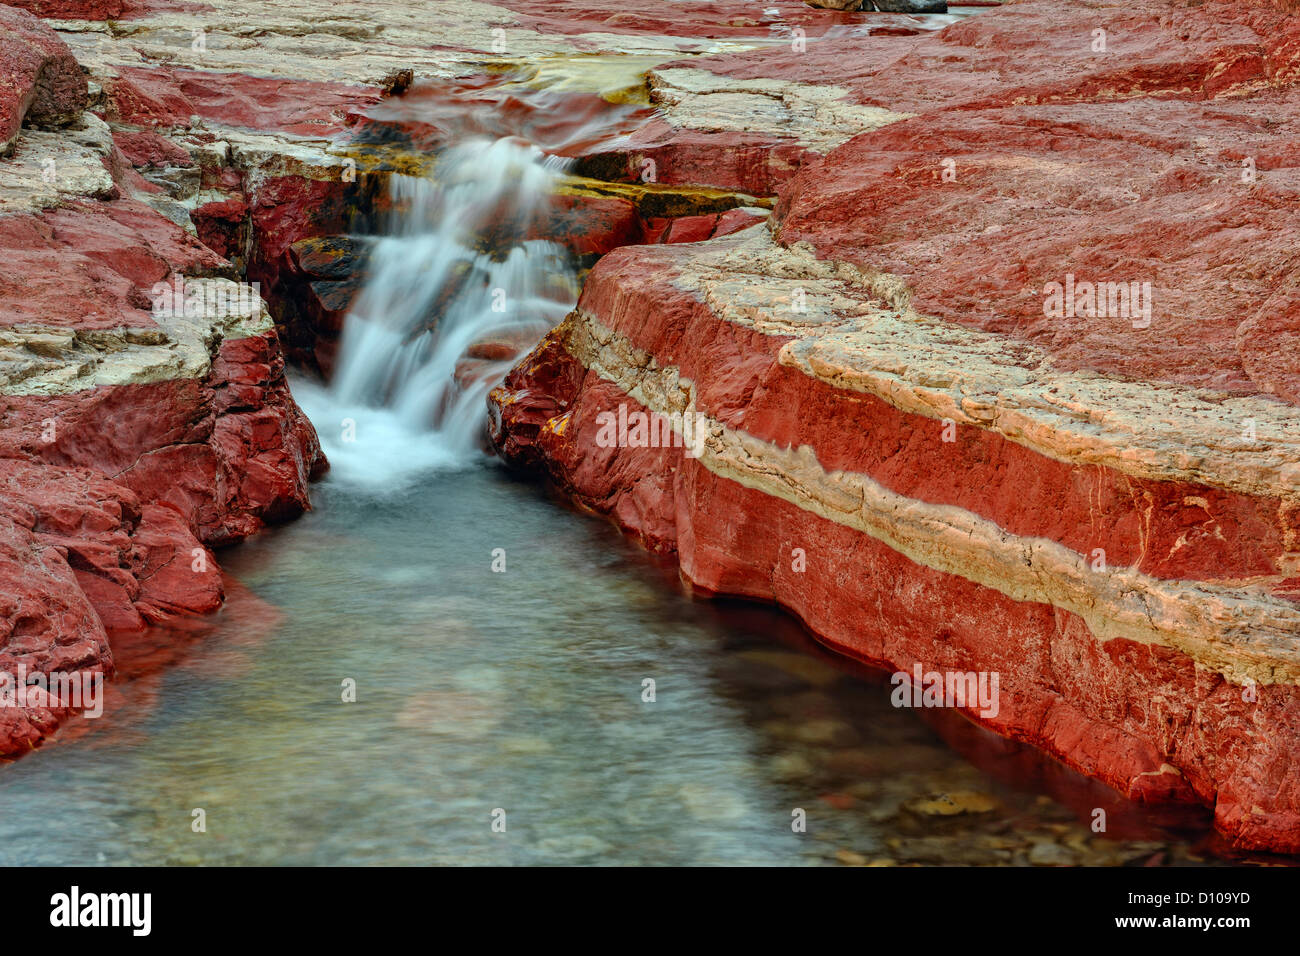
(39, 80)
(133, 440)
(905, 443)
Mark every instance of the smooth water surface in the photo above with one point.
(521, 691)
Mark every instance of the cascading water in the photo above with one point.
(457, 289)
(481, 690)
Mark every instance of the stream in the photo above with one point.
(521, 690)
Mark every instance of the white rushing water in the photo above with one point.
(455, 292)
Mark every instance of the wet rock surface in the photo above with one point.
(131, 442)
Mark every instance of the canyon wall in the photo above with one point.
(918, 444)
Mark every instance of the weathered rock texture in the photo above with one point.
(216, 148)
(39, 79)
(908, 451)
(256, 126)
(131, 442)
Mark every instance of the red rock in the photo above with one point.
(734, 220)
(1063, 157)
(733, 540)
(170, 97)
(144, 98)
(39, 79)
(74, 9)
(493, 351)
(1146, 186)
(691, 228)
(102, 9)
(1169, 529)
(1267, 341)
(135, 563)
(222, 226)
(147, 148)
(231, 453)
(105, 9)
(753, 163)
(114, 524)
(79, 554)
(287, 209)
(90, 264)
(60, 631)
(191, 464)
(590, 225)
(268, 452)
(1119, 166)
(284, 211)
(656, 229)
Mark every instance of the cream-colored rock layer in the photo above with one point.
(857, 330)
(356, 42)
(1240, 632)
(350, 41)
(41, 360)
(819, 117)
(269, 155)
(47, 168)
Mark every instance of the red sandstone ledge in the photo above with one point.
(130, 446)
(1101, 509)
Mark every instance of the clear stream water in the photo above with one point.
(520, 689)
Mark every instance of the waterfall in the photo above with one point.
(457, 289)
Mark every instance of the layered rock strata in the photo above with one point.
(908, 444)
